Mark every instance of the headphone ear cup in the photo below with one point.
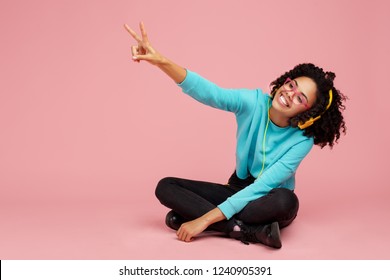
(306, 124)
(311, 120)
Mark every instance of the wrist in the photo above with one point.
(163, 62)
(206, 220)
(176, 72)
(213, 216)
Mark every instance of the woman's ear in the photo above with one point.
(272, 93)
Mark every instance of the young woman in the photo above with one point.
(274, 133)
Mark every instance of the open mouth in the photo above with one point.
(283, 100)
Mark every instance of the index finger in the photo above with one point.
(132, 33)
(143, 32)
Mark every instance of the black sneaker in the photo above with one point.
(268, 234)
(173, 220)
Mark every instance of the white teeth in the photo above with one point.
(284, 101)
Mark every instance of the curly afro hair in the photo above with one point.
(326, 130)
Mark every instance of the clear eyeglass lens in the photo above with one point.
(298, 98)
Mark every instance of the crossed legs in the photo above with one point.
(191, 199)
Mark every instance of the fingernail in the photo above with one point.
(134, 57)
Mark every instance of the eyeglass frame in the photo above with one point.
(296, 92)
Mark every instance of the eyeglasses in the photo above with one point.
(298, 97)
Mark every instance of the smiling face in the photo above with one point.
(293, 98)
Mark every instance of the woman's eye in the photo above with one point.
(299, 99)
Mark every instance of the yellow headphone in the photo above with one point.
(312, 120)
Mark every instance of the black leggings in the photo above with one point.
(191, 199)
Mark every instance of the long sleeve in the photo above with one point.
(208, 93)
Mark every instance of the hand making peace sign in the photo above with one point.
(144, 50)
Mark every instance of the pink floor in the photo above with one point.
(126, 230)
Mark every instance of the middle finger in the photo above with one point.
(133, 34)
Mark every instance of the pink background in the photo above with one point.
(86, 133)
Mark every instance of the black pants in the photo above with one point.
(191, 199)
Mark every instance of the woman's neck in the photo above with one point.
(277, 118)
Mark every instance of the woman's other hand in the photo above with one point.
(190, 229)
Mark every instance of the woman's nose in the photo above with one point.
(290, 94)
